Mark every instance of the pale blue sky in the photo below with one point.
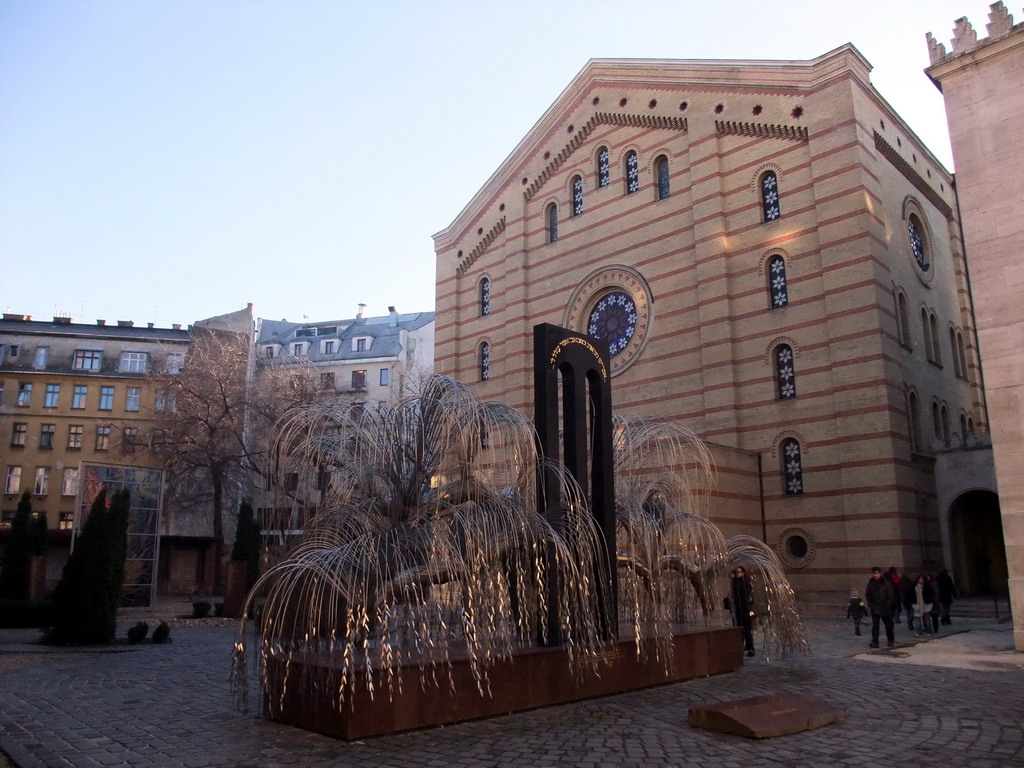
(167, 161)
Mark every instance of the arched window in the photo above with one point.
(632, 173)
(792, 468)
(552, 221)
(945, 425)
(604, 175)
(577, 195)
(970, 425)
(485, 297)
(485, 361)
(661, 171)
(963, 429)
(926, 330)
(936, 421)
(903, 318)
(770, 204)
(933, 325)
(785, 375)
(953, 353)
(778, 290)
(915, 423)
(962, 354)
(918, 242)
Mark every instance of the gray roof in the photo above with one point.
(385, 332)
(86, 331)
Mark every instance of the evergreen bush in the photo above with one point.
(86, 599)
(247, 542)
(14, 566)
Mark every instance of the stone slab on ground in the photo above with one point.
(763, 717)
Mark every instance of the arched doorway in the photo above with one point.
(979, 555)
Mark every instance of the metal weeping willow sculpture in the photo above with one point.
(442, 535)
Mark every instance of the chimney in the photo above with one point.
(125, 324)
(361, 314)
(62, 320)
(12, 316)
(101, 322)
(176, 326)
(149, 325)
(394, 316)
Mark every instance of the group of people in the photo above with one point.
(888, 595)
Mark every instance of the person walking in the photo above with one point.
(856, 610)
(908, 595)
(947, 591)
(925, 594)
(894, 576)
(881, 599)
(742, 603)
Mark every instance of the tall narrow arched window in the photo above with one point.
(604, 175)
(792, 468)
(552, 222)
(944, 415)
(933, 326)
(778, 290)
(963, 429)
(962, 354)
(770, 204)
(577, 195)
(485, 297)
(904, 319)
(926, 330)
(936, 421)
(632, 172)
(970, 425)
(661, 171)
(915, 422)
(953, 353)
(485, 361)
(785, 374)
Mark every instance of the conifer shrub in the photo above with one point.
(14, 566)
(247, 543)
(86, 599)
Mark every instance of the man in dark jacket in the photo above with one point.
(742, 603)
(881, 599)
(947, 591)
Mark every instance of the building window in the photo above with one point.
(13, 351)
(129, 439)
(944, 417)
(933, 326)
(632, 173)
(1, 383)
(78, 397)
(70, 485)
(297, 349)
(52, 397)
(24, 394)
(915, 423)
(770, 205)
(385, 376)
(134, 362)
(778, 289)
(329, 347)
(359, 379)
(661, 171)
(360, 344)
(903, 319)
(918, 243)
(604, 175)
(40, 362)
(961, 354)
(785, 373)
(75, 432)
(132, 399)
(12, 483)
(18, 433)
(957, 371)
(577, 195)
(42, 483)
(46, 433)
(166, 400)
(792, 468)
(485, 361)
(926, 331)
(327, 380)
(551, 216)
(102, 438)
(106, 398)
(485, 297)
(268, 352)
(87, 360)
(66, 521)
(963, 429)
(175, 361)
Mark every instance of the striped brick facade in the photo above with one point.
(850, 173)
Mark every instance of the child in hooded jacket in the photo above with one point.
(856, 610)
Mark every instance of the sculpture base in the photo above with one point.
(532, 678)
(761, 717)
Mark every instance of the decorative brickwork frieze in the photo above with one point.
(761, 130)
(894, 157)
(467, 262)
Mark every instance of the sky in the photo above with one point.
(169, 160)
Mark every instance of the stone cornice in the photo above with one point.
(912, 176)
(467, 262)
(601, 118)
(761, 130)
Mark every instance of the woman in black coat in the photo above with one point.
(742, 603)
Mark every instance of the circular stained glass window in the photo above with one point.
(613, 319)
(917, 244)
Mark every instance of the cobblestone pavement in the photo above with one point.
(172, 705)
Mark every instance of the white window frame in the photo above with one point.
(132, 398)
(107, 392)
(12, 481)
(87, 360)
(79, 396)
(51, 398)
(24, 394)
(41, 486)
(174, 362)
(134, 362)
(39, 363)
(69, 486)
